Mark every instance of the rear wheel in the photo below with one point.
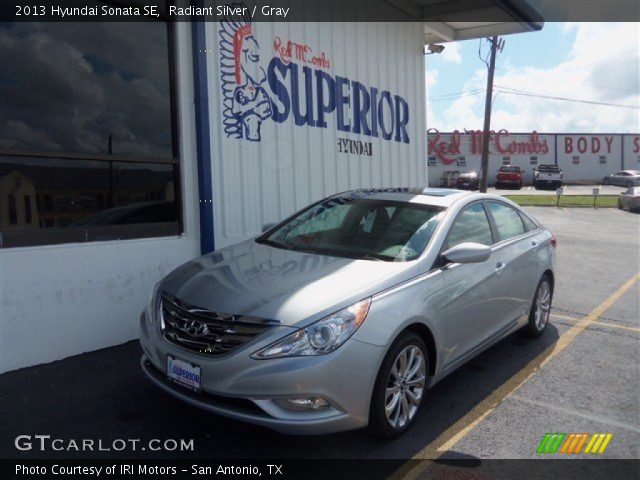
(629, 184)
(540, 308)
(620, 205)
(400, 386)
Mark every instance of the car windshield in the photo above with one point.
(359, 228)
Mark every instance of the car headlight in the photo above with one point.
(321, 337)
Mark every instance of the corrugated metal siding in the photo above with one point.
(473, 160)
(597, 155)
(293, 166)
(631, 152)
(588, 148)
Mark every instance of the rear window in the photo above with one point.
(548, 168)
(510, 169)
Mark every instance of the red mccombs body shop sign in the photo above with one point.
(500, 142)
(447, 146)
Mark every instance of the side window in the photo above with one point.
(529, 224)
(472, 225)
(508, 221)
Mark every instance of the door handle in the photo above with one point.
(534, 243)
(500, 266)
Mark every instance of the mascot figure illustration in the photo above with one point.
(246, 101)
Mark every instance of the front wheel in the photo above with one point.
(629, 184)
(620, 205)
(606, 181)
(540, 308)
(400, 386)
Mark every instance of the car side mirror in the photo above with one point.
(468, 252)
(267, 226)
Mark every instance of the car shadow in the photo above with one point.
(103, 396)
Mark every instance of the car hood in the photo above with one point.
(291, 287)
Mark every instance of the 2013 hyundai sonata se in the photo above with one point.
(343, 315)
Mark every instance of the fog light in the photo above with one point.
(303, 404)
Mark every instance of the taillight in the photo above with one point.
(553, 241)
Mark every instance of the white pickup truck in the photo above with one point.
(549, 176)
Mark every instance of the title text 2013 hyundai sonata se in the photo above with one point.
(343, 315)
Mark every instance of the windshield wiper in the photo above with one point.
(369, 256)
(273, 243)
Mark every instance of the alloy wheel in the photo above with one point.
(405, 386)
(543, 305)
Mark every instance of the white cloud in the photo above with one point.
(603, 66)
(451, 53)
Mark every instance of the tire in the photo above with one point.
(606, 181)
(536, 185)
(629, 184)
(620, 205)
(537, 324)
(402, 415)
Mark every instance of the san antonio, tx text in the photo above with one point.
(141, 469)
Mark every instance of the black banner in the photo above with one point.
(324, 469)
(520, 11)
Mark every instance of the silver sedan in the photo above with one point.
(345, 314)
(623, 178)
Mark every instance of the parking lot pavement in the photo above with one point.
(582, 375)
(568, 190)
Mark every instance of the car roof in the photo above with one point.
(442, 197)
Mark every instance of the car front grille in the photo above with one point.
(205, 331)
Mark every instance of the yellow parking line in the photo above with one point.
(447, 439)
(617, 326)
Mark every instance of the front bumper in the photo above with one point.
(242, 388)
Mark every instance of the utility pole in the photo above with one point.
(487, 116)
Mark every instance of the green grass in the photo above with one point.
(565, 200)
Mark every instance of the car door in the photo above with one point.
(620, 179)
(468, 311)
(516, 268)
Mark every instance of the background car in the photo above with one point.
(468, 181)
(344, 314)
(547, 176)
(624, 178)
(509, 176)
(630, 199)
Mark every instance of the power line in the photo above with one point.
(456, 95)
(524, 93)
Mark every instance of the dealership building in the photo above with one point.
(584, 158)
(127, 149)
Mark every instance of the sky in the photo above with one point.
(597, 62)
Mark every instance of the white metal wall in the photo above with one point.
(631, 152)
(257, 182)
(496, 159)
(597, 156)
(584, 158)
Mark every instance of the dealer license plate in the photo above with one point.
(184, 373)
